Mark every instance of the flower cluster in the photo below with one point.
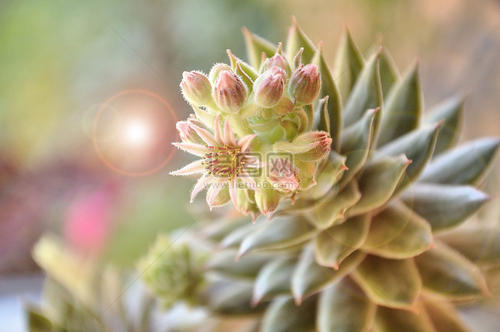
(252, 130)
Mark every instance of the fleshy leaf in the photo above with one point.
(480, 245)
(451, 113)
(256, 46)
(235, 237)
(334, 244)
(397, 232)
(392, 320)
(218, 230)
(330, 210)
(389, 282)
(278, 233)
(446, 272)
(273, 279)
(356, 144)
(403, 108)
(443, 315)
(388, 72)
(343, 307)
(444, 206)
(297, 39)
(418, 146)
(378, 181)
(465, 164)
(228, 296)
(247, 267)
(334, 106)
(284, 316)
(309, 277)
(366, 93)
(348, 65)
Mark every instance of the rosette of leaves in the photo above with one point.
(373, 246)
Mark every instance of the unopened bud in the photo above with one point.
(216, 70)
(305, 84)
(276, 60)
(267, 199)
(309, 146)
(269, 87)
(196, 88)
(229, 92)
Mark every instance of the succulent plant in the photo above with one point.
(361, 189)
(358, 203)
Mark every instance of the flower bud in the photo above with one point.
(309, 146)
(267, 199)
(276, 60)
(305, 84)
(216, 70)
(269, 87)
(186, 131)
(229, 92)
(196, 88)
(283, 174)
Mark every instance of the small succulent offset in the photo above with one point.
(363, 203)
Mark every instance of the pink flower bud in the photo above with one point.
(269, 87)
(196, 88)
(305, 84)
(186, 131)
(309, 146)
(277, 60)
(216, 70)
(229, 92)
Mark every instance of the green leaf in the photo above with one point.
(247, 267)
(392, 320)
(334, 244)
(235, 238)
(331, 209)
(309, 277)
(443, 315)
(218, 230)
(331, 172)
(284, 316)
(366, 93)
(333, 103)
(388, 282)
(297, 39)
(418, 146)
(357, 141)
(444, 206)
(228, 296)
(451, 113)
(479, 244)
(343, 307)
(377, 182)
(397, 232)
(278, 233)
(256, 46)
(274, 279)
(403, 108)
(348, 65)
(465, 164)
(388, 72)
(447, 273)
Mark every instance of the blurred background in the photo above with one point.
(67, 66)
